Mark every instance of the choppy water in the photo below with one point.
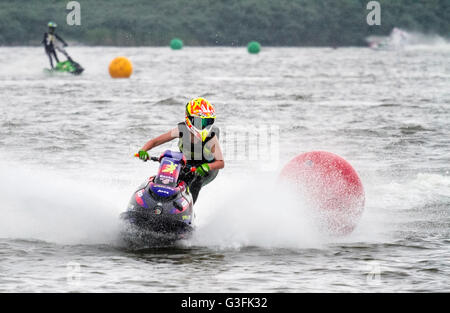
(66, 170)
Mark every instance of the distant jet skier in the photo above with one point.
(398, 38)
(51, 41)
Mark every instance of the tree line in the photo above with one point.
(219, 22)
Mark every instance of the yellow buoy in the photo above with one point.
(120, 67)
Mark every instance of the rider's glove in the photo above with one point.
(143, 155)
(65, 45)
(202, 170)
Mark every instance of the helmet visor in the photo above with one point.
(201, 123)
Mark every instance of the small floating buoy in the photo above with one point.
(176, 44)
(253, 47)
(120, 67)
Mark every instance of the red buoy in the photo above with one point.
(331, 186)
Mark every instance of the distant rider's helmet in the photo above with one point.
(200, 117)
(52, 27)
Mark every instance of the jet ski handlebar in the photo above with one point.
(158, 159)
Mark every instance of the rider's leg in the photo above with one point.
(210, 177)
(199, 182)
(63, 51)
(195, 188)
(50, 58)
(55, 55)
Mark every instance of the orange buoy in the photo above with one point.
(120, 67)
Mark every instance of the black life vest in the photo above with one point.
(196, 152)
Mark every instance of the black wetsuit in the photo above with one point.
(49, 44)
(196, 154)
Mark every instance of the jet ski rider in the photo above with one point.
(53, 41)
(198, 141)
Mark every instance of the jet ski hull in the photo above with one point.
(162, 207)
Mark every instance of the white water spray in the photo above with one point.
(44, 205)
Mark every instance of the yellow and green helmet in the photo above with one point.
(200, 117)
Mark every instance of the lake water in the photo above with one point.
(67, 171)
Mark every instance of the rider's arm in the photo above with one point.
(60, 39)
(171, 134)
(218, 156)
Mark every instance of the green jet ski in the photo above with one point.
(68, 66)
